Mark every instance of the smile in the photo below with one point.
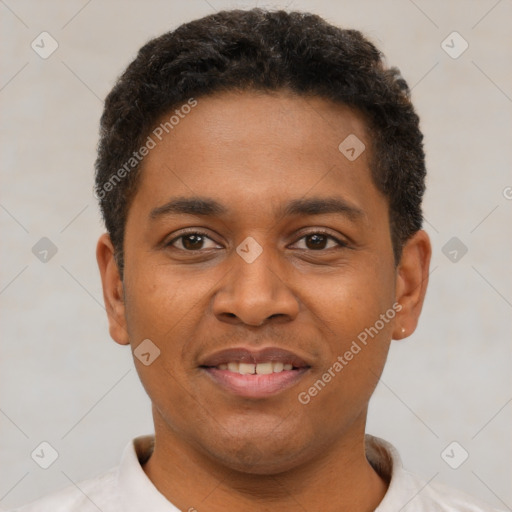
(255, 374)
(256, 369)
(255, 385)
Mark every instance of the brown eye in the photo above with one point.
(316, 241)
(320, 241)
(192, 242)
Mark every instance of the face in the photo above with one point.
(258, 261)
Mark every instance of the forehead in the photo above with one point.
(240, 121)
(256, 149)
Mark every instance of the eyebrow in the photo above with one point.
(205, 206)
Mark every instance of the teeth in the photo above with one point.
(259, 369)
(264, 368)
(278, 367)
(246, 368)
(233, 367)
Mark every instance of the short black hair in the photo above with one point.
(239, 50)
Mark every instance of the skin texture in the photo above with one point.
(253, 153)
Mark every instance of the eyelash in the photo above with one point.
(341, 244)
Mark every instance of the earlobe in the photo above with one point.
(411, 283)
(113, 293)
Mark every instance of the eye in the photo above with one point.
(196, 241)
(320, 241)
(193, 241)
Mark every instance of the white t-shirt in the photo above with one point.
(126, 488)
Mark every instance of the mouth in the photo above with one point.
(253, 374)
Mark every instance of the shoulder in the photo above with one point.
(86, 496)
(434, 496)
(123, 487)
(410, 493)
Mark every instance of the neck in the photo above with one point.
(340, 480)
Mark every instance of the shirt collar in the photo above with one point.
(136, 490)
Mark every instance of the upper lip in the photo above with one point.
(245, 355)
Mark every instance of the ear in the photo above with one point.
(112, 290)
(411, 283)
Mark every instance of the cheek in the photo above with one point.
(348, 302)
(162, 301)
(344, 385)
(164, 308)
(355, 311)
(167, 307)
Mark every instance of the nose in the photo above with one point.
(255, 293)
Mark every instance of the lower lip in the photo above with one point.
(253, 385)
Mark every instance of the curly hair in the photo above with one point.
(267, 51)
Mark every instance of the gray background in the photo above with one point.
(65, 382)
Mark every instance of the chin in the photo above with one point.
(264, 454)
(252, 461)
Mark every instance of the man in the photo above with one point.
(260, 175)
